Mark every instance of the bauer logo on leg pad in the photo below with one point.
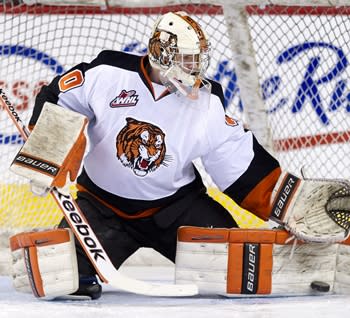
(36, 164)
(250, 268)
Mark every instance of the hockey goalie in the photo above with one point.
(146, 119)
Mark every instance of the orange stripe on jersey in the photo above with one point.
(165, 93)
(138, 215)
(145, 74)
(258, 200)
(149, 82)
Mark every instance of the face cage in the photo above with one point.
(186, 73)
(194, 65)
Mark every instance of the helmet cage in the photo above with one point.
(184, 64)
(194, 65)
(180, 49)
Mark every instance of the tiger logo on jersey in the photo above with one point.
(141, 147)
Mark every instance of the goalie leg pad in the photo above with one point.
(54, 150)
(342, 274)
(225, 261)
(258, 262)
(45, 263)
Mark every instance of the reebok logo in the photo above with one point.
(10, 106)
(125, 99)
(86, 236)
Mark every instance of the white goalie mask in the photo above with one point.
(180, 49)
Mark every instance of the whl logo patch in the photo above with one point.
(125, 99)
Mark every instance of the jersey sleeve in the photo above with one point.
(69, 90)
(238, 164)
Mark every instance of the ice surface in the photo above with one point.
(115, 303)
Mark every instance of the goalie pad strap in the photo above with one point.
(249, 268)
(32, 239)
(243, 268)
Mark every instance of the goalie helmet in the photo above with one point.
(179, 48)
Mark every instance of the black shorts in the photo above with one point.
(122, 237)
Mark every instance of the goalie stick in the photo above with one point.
(90, 243)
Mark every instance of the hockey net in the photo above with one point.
(284, 70)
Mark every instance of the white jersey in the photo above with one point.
(143, 139)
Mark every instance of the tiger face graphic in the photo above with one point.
(141, 147)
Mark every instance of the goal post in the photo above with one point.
(283, 66)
